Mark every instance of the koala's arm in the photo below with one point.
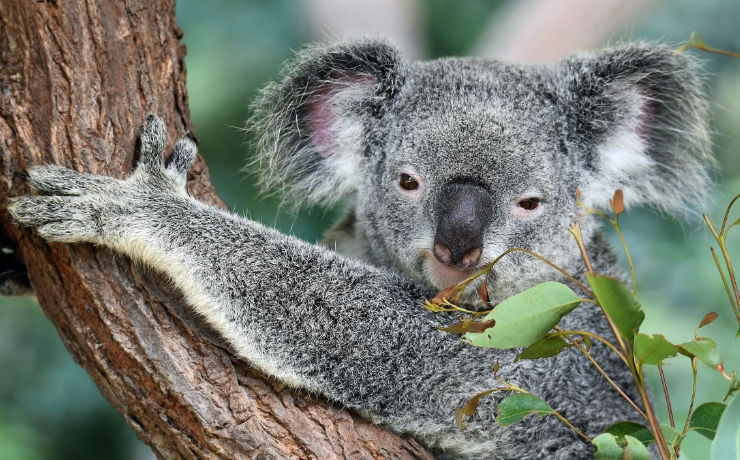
(308, 316)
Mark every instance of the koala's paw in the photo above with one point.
(77, 207)
(151, 168)
(67, 211)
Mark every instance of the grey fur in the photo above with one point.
(355, 332)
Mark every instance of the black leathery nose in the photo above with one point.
(463, 214)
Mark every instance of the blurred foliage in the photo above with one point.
(453, 27)
(49, 409)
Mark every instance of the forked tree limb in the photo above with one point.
(77, 78)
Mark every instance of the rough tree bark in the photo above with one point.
(77, 78)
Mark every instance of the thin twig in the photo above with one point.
(627, 253)
(727, 287)
(565, 420)
(608, 379)
(533, 254)
(691, 405)
(667, 398)
(595, 336)
(723, 231)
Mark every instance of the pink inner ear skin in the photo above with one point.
(319, 119)
(319, 116)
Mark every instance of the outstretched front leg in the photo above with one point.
(291, 308)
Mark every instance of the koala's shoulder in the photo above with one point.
(345, 238)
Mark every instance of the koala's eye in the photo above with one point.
(527, 206)
(529, 203)
(407, 182)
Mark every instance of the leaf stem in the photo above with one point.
(723, 247)
(697, 42)
(466, 282)
(653, 420)
(731, 274)
(691, 405)
(667, 398)
(594, 336)
(575, 230)
(510, 386)
(615, 224)
(724, 231)
(565, 420)
(608, 379)
(727, 286)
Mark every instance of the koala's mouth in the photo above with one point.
(442, 276)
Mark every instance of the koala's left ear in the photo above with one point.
(638, 117)
(313, 125)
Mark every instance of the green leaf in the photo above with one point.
(514, 408)
(726, 444)
(703, 349)
(608, 448)
(543, 348)
(618, 303)
(671, 436)
(706, 418)
(653, 349)
(636, 430)
(526, 317)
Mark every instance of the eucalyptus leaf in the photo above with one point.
(619, 304)
(705, 419)
(703, 349)
(526, 317)
(636, 430)
(653, 349)
(543, 348)
(671, 436)
(608, 448)
(514, 408)
(726, 444)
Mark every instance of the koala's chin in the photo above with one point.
(441, 276)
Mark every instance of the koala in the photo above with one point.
(443, 165)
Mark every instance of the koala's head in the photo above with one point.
(451, 162)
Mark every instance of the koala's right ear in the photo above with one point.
(312, 125)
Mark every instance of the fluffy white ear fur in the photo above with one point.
(622, 160)
(656, 145)
(335, 120)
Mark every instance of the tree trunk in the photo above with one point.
(77, 78)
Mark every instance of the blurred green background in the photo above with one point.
(49, 409)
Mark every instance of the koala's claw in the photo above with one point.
(57, 180)
(57, 218)
(152, 140)
(183, 156)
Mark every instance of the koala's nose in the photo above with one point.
(463, 214)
